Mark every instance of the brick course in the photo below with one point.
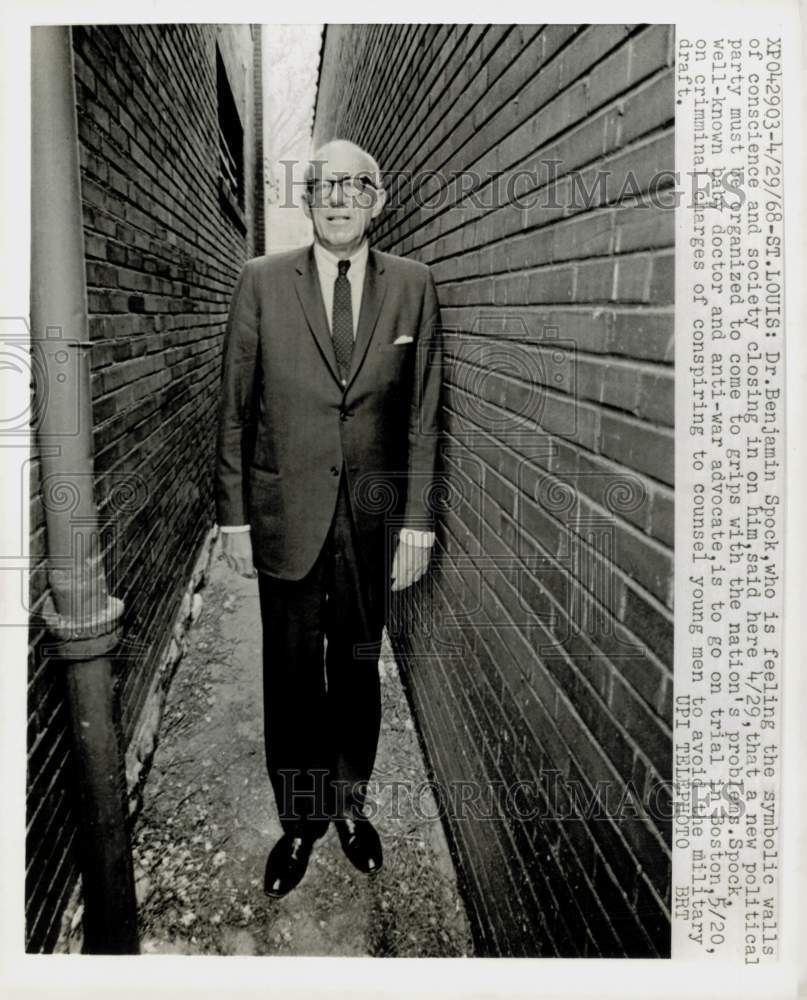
(161, 261)
(527, 165)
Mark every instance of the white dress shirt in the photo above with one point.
(327, 271)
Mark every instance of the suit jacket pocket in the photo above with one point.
(265, 490)
(406, 345)
(256, 472)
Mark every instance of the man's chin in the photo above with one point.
(341, 237)
(341, 241)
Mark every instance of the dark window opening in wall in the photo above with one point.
(231, 148)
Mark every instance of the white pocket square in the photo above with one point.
(402, 340)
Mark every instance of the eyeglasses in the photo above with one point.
(361, 184)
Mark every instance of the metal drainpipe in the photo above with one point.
(82, 618)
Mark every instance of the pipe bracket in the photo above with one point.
(86, 638)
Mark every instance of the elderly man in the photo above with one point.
(325, 462)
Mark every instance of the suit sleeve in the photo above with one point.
(424, 417)
(237, 407)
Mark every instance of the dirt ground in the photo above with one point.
(208, 821)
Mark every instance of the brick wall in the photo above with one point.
(162, 256)
(258, 228)
(540, 649)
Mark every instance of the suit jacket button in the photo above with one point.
(334, 470)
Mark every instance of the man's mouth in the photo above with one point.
(338, 218)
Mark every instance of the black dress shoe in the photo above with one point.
(286, 864)
(361, 843)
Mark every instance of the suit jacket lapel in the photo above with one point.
(310, 296)
(375, 286)
(308, 291)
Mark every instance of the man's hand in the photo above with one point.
(409, 564)
(236, 550)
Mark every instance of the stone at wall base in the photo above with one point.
(143, 745)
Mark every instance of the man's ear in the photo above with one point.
(305, 204)
(380, 202)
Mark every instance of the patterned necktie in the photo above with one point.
(342, 321)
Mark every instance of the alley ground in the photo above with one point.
(209, 820)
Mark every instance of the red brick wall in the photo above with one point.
(161, 261)
(541, 648)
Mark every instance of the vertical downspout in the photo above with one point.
(83, 619)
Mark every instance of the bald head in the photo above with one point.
(342, 159)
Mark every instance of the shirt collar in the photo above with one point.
(330, 262)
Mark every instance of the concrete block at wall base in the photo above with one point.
(141, 749)
(143, 745)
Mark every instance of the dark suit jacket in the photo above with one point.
(288, 428)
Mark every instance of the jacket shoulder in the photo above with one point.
(404, 267)
(274, 264)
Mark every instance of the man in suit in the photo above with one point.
(325, 461)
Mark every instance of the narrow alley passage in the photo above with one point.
(208, 821)
(529, 169)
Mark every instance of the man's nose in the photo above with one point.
(337, 195)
